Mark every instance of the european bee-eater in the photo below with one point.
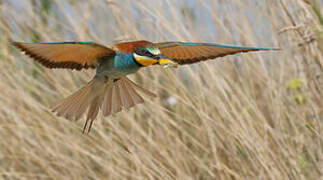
(110, 90)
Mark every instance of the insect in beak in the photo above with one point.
(167, 62)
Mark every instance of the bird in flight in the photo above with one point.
(110, 90)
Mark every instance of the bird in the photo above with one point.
(110, 90)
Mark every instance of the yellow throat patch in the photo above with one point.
(144, 60)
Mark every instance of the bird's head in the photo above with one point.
(149, 56)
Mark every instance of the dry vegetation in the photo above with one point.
(251, 116)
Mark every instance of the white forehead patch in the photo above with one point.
(154, 51)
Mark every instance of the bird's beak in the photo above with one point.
(167, 62)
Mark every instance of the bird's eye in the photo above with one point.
(146, 52)
(143, 52)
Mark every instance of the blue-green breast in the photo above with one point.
(119, 65)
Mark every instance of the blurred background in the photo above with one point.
(250, 116)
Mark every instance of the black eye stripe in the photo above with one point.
(143, 52)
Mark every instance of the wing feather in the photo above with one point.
(73, 55)
(188, 53)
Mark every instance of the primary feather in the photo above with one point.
(188, 53)
(73, 55)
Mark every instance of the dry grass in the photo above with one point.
(251, 116)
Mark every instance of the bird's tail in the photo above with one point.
(108, 95)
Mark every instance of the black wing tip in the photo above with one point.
(271, 49)
(259, 49)
(18, 45)
(15, 43)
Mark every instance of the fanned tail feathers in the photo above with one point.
(106, 95)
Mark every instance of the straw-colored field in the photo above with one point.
(251, 116)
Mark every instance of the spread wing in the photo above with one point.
(188, 53)
(73, 55)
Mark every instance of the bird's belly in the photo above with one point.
(117, 72)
